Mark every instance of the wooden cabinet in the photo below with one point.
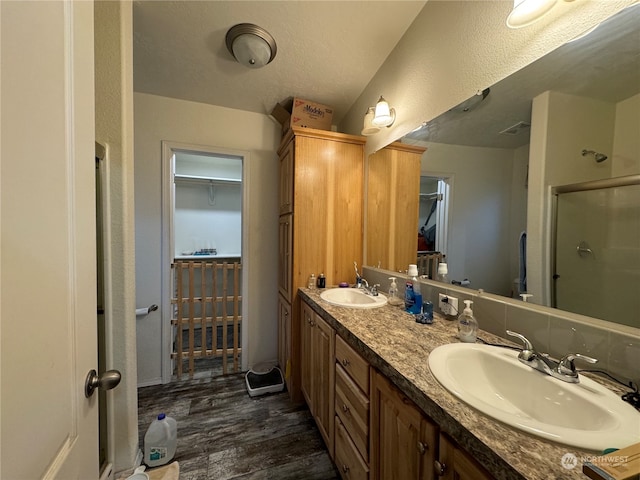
(285, 256)
(393, 205)
(456, 464)
(286, 180)
(318, 380)
(352, 413)
(403, 439)
(347, 458)
(321, 220)
(284, 333)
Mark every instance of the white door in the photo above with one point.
(47, 241)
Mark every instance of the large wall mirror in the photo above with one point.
(501, 152)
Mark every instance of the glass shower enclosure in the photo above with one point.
(596, 249)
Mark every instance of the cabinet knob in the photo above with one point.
(345, 362)
(422, 448)
(345, 469)
(440, 468)
(345, 408)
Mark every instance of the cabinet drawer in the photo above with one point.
(353, 409)
(356, 366)
(349, 462)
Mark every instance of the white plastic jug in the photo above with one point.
(160, 441)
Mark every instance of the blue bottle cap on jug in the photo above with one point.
(161, 416)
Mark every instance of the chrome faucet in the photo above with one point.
(564, 370)
(359, 278)
(363, 284)
(371, 290)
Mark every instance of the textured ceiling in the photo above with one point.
(604, 65)
(328, 51)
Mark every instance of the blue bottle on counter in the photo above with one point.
(413, 296)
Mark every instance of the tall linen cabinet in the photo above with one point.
(321, 226)
(393, 206)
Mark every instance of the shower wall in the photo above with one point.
(562, 126)
(598, 253)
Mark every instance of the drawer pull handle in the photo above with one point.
(422, 448)
(440, 468)
(345, 468)
(345, 408)
(345, 362)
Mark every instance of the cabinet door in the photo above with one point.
(455, 464)
(307, 326)
(403, 440)
(284, 335)
(285, 256)
(393, 206)
(323, 367)
(286, 180)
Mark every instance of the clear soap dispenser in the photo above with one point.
(467, 324)
(393, 293)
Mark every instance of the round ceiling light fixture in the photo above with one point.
(251, 45)
(526, 12)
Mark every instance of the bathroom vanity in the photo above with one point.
(380, 409)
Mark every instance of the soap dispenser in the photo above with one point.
(467, 324)
(412, 295)
(393, 293)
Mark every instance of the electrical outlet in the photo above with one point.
(448, 307)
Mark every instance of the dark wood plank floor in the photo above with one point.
(223, 433)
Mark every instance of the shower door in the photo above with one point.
(597, 249)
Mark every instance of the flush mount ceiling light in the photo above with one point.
(251, 45)
(384, 116)
(526, 12)
(369, 128)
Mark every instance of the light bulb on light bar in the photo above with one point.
(384, 115)
(369, 128)
(526, 12)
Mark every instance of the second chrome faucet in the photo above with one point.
(564, 370)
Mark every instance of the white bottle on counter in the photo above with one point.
(467, 324)
(393, 293)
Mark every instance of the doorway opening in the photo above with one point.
(204, 275)
(433, 221)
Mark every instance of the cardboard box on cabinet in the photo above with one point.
(298, 112)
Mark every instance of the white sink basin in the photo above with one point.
(585, 415)
(353, 298)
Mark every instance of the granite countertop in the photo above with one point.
(392, 342)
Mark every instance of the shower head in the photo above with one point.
(599, 157)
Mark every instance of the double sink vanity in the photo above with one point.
(395, 397)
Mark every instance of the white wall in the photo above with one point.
(479, 224)
(455, 48)
(159, 118)
(198, 224)
(626, 138)
(114, 127)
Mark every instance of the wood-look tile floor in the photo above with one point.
(223, 433)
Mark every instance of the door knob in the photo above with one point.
(107, 380)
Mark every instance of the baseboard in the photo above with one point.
(150, 383)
